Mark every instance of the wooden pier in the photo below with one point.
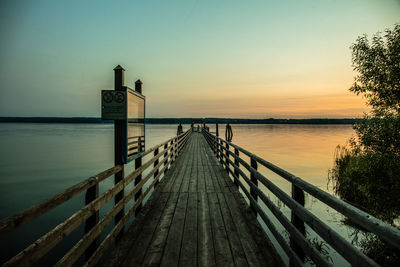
(196, 217)
(195, 214)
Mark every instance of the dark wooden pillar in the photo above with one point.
(155, 164)
(165, 155)
(221, 150)
(138, 86)
(173, 150)
(138, 164)
(91, 194)
(253, 178)
(227, 157)
(119, 134)
(297, 195)
(237, 164)
(215, 142)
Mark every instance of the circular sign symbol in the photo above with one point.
(108, 97)
(119, 97)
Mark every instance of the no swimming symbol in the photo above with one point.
(119, 97)
(108, 97)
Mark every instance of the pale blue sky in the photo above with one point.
(195, 58)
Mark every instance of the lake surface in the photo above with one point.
(40, 160)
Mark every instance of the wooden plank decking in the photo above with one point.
(195, 217)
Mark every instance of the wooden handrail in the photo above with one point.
(349, 252)
(15, 221)
(44, 244)
(342, 246)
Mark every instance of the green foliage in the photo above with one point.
(381, 134)
(378, 66)
(382, 254)
(369, 180)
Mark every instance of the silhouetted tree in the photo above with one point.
(367, 172)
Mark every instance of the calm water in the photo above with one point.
(40, 160)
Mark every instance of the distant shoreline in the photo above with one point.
(179, 120)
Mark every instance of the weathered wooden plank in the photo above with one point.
(221, 174)
(208, 171)
(201, 181)
(185, 170)
(151, 254)
(184, 186)
(204, 169)
(188, 255)
(178, 167)
(238, 254)
(173, 245)
(206, 256)
(129, 247)
(250, 248)
(216, 172)
(193, 179)
(223, 254)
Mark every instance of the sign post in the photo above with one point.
(119, 136)
(127, 108)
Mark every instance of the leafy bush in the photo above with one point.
(369, 180)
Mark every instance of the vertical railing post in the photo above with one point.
(138, 164)
(176, 147)
(298, 196)
(215, 142)
(220, 152)
(227, 157)
(120, 127)
(172, 151)
(236, 171)
(216, 139)
(253, 179)
(165, 155)
(91, 194)
(155, 164)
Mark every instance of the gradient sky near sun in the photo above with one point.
(196, 58)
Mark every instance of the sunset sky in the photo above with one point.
(225, 58)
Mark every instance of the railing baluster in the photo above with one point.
(298, 196)
(138, 164)
(175, 148)
(227, 157)
(214, 138)
(155, 164)
(91, 194)
(165, 155)
(236, 171)
(220, 152)
(253, 178)
(172, 151)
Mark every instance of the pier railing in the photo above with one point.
(235, 160)
(89, 245)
